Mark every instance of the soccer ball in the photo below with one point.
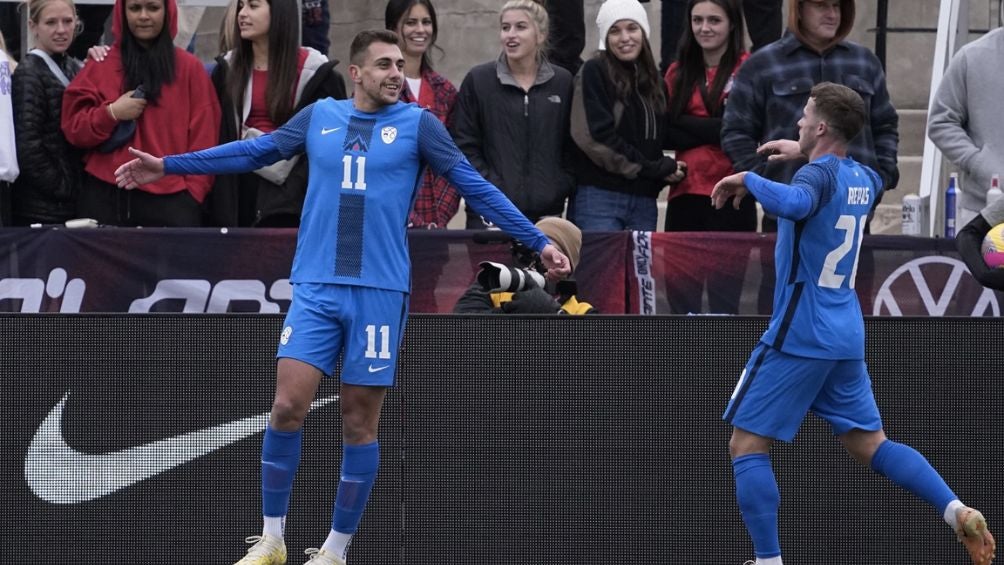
(993, 247)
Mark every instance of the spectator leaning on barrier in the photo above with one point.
(415, 22)
(252, 83)
(179, 113)
(773, 85)
(558, 297)
(49, 184)
(965, 120)
(618, 115)
(8, 150)
(512, 117)
(699, 82)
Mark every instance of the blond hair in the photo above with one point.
(538, 15)
(35, 8)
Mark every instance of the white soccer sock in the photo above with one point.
(769, 561)
(275, 526)
(337, 544)
(950, 513)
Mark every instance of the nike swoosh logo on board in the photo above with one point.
(326, 131)
(59, 474)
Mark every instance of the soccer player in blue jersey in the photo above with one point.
(812, 355)
(351, 271)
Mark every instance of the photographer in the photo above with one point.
(530, 294)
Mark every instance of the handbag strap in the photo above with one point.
(60, 75)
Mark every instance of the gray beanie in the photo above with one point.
(613, 11)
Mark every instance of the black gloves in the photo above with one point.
(531, 301)
(969, 241)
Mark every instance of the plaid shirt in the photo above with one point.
(437, 200)
(771, 90)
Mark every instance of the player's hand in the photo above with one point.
(127, 108)
(679, 174)
(558, 266)
(780, 150)
(144, 169)
(731, 186)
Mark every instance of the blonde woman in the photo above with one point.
(47, 190)
(512, 117)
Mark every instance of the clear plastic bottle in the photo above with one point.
(994, 194)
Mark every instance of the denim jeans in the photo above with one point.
(597, 209)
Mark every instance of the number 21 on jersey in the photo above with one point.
(851, 226)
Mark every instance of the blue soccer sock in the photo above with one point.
(280, 456)
(759, 500)
(359, 471)
(906, 467)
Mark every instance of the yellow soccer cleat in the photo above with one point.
(267, 550)
(975, 536)
(321, 557)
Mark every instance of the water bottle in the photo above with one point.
(951, 205)
(911, 214)
(994, 193)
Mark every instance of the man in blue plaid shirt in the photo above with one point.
(773, 86)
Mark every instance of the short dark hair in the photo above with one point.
(840, 107)
(365, 38)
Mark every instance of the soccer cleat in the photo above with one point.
(267, 550)
(321, 557)
(975, 536)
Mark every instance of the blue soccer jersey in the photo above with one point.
(816, 310)
(364, 172)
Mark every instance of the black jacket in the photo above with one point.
(518, 140)
(274, 205)
(621, 142)
(46, 190)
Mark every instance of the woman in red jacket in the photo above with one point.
(146, 94)
(711, 51)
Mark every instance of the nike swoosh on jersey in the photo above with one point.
(326, 131)
(59, 474)
(373, 369)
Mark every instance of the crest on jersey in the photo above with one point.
(388, 134)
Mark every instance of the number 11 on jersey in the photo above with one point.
(360, 172)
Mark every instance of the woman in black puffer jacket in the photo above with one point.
(46, 190)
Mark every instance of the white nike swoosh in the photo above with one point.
(59, 474)
(326, 131)
(377, 369)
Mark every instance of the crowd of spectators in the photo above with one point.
(590, 140)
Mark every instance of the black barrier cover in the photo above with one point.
(509, 440)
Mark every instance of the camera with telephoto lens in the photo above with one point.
(498, 277)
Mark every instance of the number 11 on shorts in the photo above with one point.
(371, 335)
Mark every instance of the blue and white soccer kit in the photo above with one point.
(363, 177)
(812, 355)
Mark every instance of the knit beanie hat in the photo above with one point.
(613, 11)
(564, 235)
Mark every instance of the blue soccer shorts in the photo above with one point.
(777, 390)
(364, 325)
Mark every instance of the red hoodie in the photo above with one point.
(185, 118)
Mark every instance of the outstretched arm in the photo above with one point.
(144, 169)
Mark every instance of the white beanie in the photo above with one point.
(613, 11)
